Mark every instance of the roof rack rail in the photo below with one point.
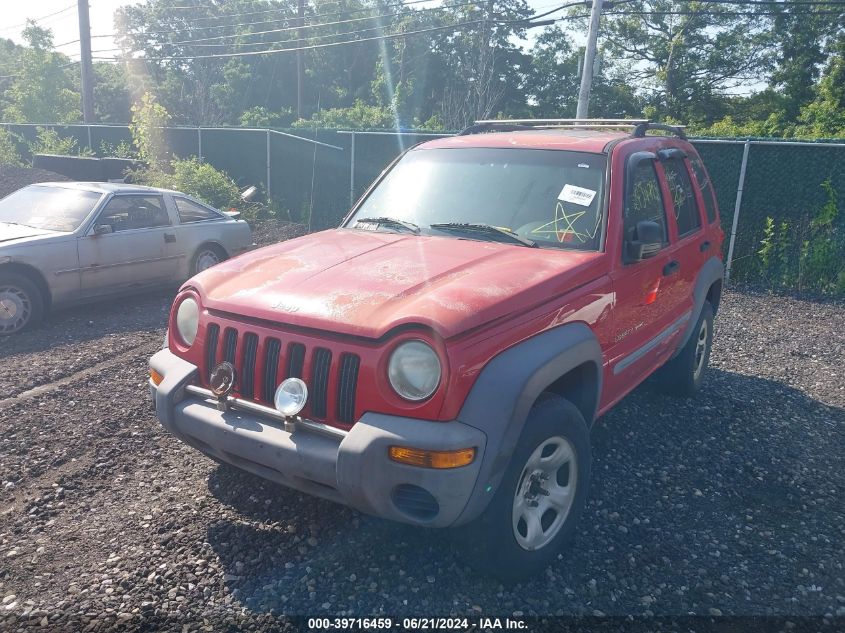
(512, 125)
(642, 128)
(639, 126)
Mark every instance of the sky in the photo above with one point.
(65, 25)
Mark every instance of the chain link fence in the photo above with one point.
(782, 203)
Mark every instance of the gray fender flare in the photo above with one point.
(508, 386)
(712, 271)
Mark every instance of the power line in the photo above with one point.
(307, 26)
(389, 36)
(283, 19)
(36, 20)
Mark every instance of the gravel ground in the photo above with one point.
(729, 503)
(265, 232)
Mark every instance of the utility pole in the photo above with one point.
(300, 12)
(589, 61)
(86, 64)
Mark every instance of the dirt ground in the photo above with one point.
(729, 503)
(13, 178)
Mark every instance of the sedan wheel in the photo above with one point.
(15, 308)
(545, 493)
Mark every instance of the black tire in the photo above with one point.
(492, 542)
(205, 251)
(683, 375)
(21, 304)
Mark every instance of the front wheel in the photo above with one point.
(541, 496)
(21, 303)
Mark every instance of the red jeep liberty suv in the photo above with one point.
(440, 357)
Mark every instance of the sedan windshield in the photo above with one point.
(552, 198)
(50, 208)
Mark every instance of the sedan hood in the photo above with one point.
(365, 283)
(9, 232)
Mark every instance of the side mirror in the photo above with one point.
(103, 229)
(647, 241)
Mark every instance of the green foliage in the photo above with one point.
(810, 254)
(112, 101)
(49, 141)
(195, 178)
(8, 150)
(259, 116)
(121, 150)
(149, 119)
(41, 91)
(360, 116)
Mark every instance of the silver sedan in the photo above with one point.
(63, 243)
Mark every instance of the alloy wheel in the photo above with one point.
(15, 308)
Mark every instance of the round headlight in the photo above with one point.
(414, 370)
(187, 320)
(291, 396)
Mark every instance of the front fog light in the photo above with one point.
(414, 370)
(291, 397)
(187, 320)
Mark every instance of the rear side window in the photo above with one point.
(706, 188)
(131, 212)
(190, 211)
(683, 196)
(645, 201)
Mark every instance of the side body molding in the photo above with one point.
(507, 387)
(713, 270)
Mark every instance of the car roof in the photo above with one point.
(106, 187)
(594, 141)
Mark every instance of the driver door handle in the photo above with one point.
(671, 268)
(169, 238)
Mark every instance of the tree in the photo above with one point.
(799, 39)
(149, 119)
(112, 101)
(825, 116)
(687, 56)
(42, 90)
(553, 81)
(484, 67)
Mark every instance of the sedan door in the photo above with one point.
(128, 245)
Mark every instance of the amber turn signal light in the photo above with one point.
(156, 377)
(432, 459)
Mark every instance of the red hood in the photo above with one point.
(366, 283)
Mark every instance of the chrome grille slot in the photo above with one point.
(212, 334)
(272, 350)
(347, 386)
(247, 382)
(320, 367)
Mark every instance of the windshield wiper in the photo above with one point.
(391, 222)
(488, 229)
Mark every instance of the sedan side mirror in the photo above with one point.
(647, 241)
(103, 229)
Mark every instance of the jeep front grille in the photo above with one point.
(262, 362)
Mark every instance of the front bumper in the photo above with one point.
(351, 467)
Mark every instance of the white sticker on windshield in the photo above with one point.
(577, 195)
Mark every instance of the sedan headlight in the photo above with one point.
(414, 370)
(187, 320)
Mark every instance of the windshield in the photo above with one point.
(551, 197)
(50, 208)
